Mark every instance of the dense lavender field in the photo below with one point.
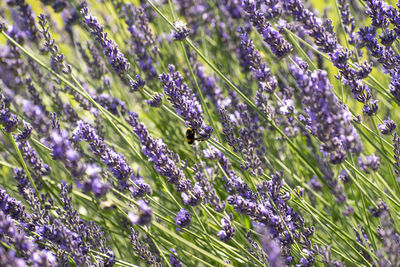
(199, 133)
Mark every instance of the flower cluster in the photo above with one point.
(142, 39)
(278, 45)
(181, 31)
(327, 118)
(273, 212)
(227, 231)
(326, 39)
(183, 218)
(87, 168)
(110, 49)
(184, 102)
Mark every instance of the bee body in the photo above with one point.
(190, 136)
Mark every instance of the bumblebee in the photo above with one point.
(190, 136)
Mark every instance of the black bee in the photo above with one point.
(190, 135)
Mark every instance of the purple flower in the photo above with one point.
(156, 100)
(252, 60)
(390, 239)
(173, 258)
(183, 218)
(371, 108)
(164, 160)
(10, 258)
(387, 37)
(142, 39)
(227, 231)
(249, 140)
(57, 59)
(209, 193)
(347, 20)
(7, 119)
(142, 250)
(270, 246)
(97, 186)
(279, 46)
(209, 86)
(181, 31)
(26, 19)
(387, 127)
(97, 68)
(115, 162)
(262, 211)
(325, 38)
(112, 104)
(254, 248)
(12, 207)
(396, 151)
(328, 119)
(369, 163)
(139, 188)
(37, 115)
(110, 49)
(195, 196)
(62, 150)
(364, 242)
(184, 102)
(30, 155)
(376, 9)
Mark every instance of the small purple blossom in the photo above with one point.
(115, 162)
(391, 241)
(142, 39)
(183, 218)
(194, 197)
(173, 258)
(181, 31)
(270, 246)
(164, 160)
(369, 163)
(278, 45)
(139, 188)
(26, 19)
(155, 101)
(142, 249)
(227, 231)
(387, 127)
(8, 120)
(347, 20)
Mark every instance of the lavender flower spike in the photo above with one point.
(279, 46)
(328, 119)
(164, 161)
(115, 57)
(184, 101)
(115, 162)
